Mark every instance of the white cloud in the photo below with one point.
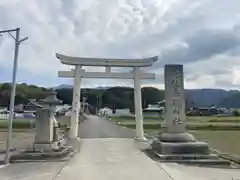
(176, 30)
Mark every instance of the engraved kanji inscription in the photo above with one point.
(176, 74)
(176, 90)
(177, 103)
(176, 110)
(175, 81)
(177, 120)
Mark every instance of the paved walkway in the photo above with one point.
(109, 152)
(111, 158)
(32, 171)
(95, 127)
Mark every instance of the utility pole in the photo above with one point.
(13, 88)
(99, 102)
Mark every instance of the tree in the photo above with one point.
(236, 112)
(65, 95)
(151, 95)
(24, 92)
(5, 90)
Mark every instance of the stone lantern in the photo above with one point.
(46, 124)
(51, 101)
(46, 144)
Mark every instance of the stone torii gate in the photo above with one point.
(78, 73)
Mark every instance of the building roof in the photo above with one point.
(33, 104)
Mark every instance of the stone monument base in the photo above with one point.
(61, 150)
(31, 155)
(183, 148)
(43, 147)
(142, 139)
(176, 137)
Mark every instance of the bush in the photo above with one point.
(236, 113)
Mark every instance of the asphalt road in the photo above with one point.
(97, 127)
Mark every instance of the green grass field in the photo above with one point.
(201, 119)
(18, 123)
(199, 122)
(192, 120)
(225, 140)
(222, 119)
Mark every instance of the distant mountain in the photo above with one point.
(66, 86)
(108, 87)
(63, 86)
(231, 101)
(102, 87)
(205, 97)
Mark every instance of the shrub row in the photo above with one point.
(17, 124)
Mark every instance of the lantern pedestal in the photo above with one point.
(48, 143)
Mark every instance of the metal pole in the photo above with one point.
(83, 102)
(9, 30)
(12, 99)
(100, 101)
(97, 106)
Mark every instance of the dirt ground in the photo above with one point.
(20, 139)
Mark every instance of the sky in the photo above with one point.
(203, 35)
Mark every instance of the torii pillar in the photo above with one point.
(138, 104)
(75, 103)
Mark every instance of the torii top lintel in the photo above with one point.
(68, 60)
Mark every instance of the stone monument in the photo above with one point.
(173, 143)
